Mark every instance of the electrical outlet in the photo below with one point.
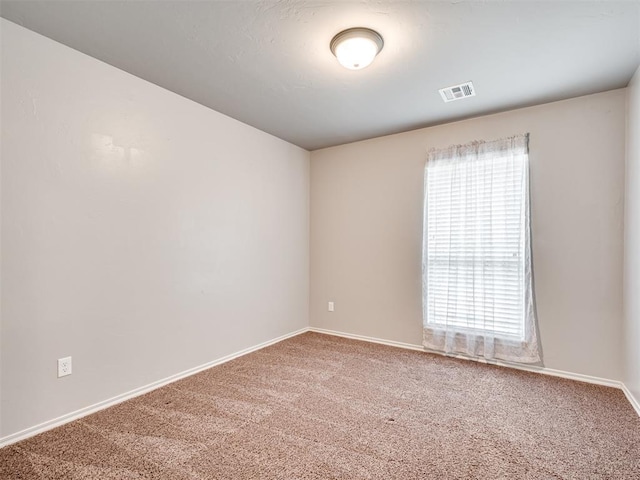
(331, 307)
(64, 367)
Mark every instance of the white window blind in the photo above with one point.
(476, 260)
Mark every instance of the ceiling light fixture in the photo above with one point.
(355, 48)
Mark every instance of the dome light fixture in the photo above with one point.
(355, 48)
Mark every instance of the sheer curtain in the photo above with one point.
(477, 279)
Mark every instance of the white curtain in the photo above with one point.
(477, 278)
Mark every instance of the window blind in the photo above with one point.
(475, 243)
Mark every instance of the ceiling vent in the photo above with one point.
(464, 90)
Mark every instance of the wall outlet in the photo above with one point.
(330, 306)
(64, 367)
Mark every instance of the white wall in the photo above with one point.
(142, 234)
(632, 240)
(366, 229)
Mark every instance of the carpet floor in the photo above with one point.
(322, 407)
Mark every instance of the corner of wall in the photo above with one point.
(631, 241)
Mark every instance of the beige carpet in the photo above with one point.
(322, 407)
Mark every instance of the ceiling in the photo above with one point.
(268, 63)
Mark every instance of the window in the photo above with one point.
(477, 284)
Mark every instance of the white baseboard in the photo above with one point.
(69, 417)
(543, 370)
(575, 376)
(364, 338)
(635, 403)
(83, 412)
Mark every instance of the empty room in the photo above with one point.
(319, 239)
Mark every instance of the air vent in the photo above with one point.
(457, 92)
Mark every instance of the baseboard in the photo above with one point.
(543, 370)
(69, 417)
(635, 403)
(83, 412)
(574, 376)
(364, 338)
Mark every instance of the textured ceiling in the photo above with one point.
(268, 63)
